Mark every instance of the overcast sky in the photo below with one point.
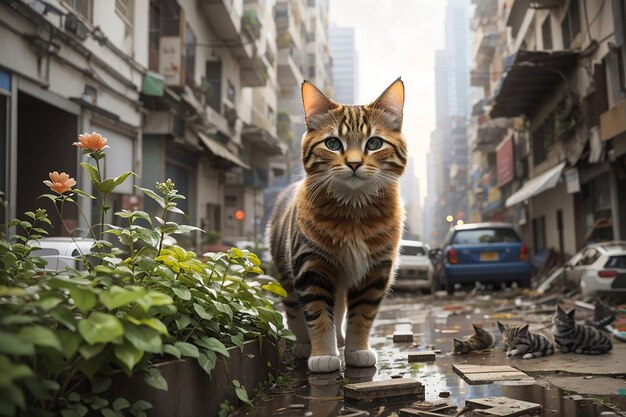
(398, 38)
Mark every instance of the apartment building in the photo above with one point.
(551, 128)
(183, 89)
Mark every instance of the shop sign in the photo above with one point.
(171, 60)
(504, 162)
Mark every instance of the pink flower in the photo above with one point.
(60, 182)
(93, 142)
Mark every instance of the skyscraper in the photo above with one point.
(345, 64)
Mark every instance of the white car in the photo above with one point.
(61, 252)
(415, 270)
(598, 267)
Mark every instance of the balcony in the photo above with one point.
(287, 25)
(516, 15)
(225, 17)
(485, 8)
(253, 72)
(289, 67)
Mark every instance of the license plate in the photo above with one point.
(619, 281)
(489, 256)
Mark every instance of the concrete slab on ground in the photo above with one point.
(612, 363)
(585, 386)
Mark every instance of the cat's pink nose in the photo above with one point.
(354, 165)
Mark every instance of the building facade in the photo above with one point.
(551, 152)
(341, 41)
(186, 90)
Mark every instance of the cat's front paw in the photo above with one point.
(301, 350)
(324, 364)
(361, 358)
(515, 352)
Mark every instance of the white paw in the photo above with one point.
(361, 358)
(324, 364)
(301, 350)
(528, 356)
(515, 352)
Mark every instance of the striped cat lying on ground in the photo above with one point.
(334, 236)
(480, 340)
(572, 337)
(518, 340)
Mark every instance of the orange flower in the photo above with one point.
(93, 142)
(60, 182)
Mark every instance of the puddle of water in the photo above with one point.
(321, 395)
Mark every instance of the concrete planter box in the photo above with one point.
(191, 392)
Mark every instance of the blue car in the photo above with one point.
(489, 253)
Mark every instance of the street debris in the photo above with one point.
(503, 406)
(480, 374)
(425, 356)
(390, 391)
(402, 337)
(444, 394)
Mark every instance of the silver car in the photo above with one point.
(415, 270)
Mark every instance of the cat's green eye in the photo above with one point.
(374, 143)
(334, 144)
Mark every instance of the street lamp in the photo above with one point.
(459, 222)
(449, 218)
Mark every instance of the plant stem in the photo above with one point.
(59, 211)
(102, 199)
(191, 331)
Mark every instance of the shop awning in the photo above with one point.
(221, 151)
(529, 76)
(537, 185)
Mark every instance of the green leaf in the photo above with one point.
(202, 312)
(241, 393)
(120, 404)
(84, 298)
(14, 345)
(13, 396)
(128, 355)
(64, 316)
(100, 385)
(207, 361)
(10, 371)
(154, 299)
(70, 342)
(171, 350)
(40, 336)
(213, 344)
(143, 338)
(187, 349)
(275, 288)
(154, 378)
(182, 322)
(100, 328)
(141, 405)
(74, 410)
(90, 367)
(107, 412)
(182, 293)
(92, 172)
(48, 302)
(159, 200)
(89, 351)
(15, 319)
(156, 324)
(82, 193)
(237, 340)
(108, 185)
(116, 296)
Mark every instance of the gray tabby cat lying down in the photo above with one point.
(518, 340)
(480, 340)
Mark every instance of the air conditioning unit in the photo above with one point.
(164, 123)
(76, 26)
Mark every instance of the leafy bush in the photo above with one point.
(64, 333)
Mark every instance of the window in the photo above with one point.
(543, 140)
(413, 251)
(82, 7)
(589, 257)
(546, 34)
(190, 57)
(495, 235)
(125, 10)
(213, 85)
(616, 262)
(230, 92)
(571, 23)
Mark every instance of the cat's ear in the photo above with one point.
(391, 101)
(315, 104)
(501, 326)
(559, 310)
(571, 313)
(458, 344)
(477, 328)
(524, 329)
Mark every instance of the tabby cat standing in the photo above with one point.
(334, 235)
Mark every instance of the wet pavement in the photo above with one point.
(591, 384)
